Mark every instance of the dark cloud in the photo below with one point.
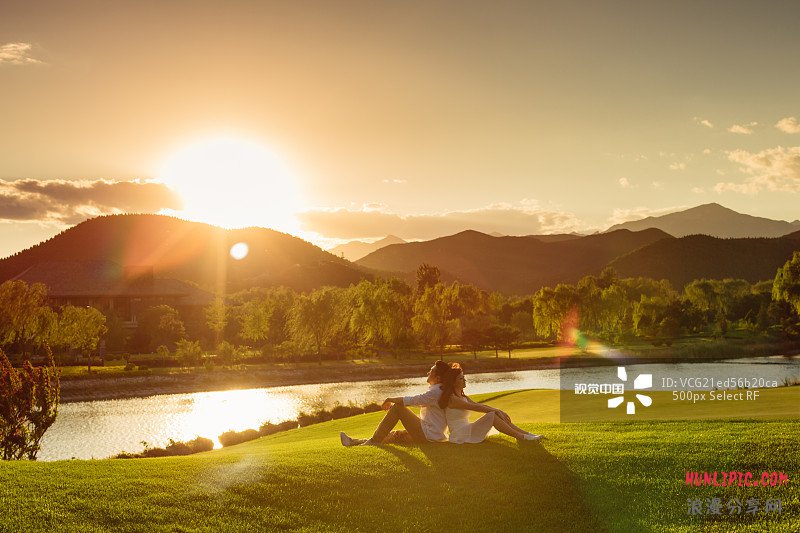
(72, 201)
(524, 219)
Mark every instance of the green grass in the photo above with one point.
(601, 476)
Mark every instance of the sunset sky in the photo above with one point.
(337, 120)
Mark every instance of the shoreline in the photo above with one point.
(86, 389)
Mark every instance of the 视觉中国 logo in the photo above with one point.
(642, 382)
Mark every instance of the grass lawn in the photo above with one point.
(600, 476)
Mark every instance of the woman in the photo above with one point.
(457, 405)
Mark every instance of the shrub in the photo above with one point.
(269, 428)
(143, 367)
(29, 400)
(189, 352)
(372, 408)
(162, 352)
(197, 445)
(230, 438)
(227, 352)
(129, 367)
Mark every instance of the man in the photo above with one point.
(428, 427)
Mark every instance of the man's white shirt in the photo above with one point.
(432, 416)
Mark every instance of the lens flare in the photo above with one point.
(239, 250)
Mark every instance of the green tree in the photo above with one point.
(81, 328)
(430, 320)
(380, 313)
(551, 308)
(786, 287)
(158, 325)
(216, 318)
(473, 339)
(25, 319)
(29, 400)
(313, 318)
(427, 277)
(189, 352)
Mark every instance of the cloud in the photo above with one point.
(698, 190)
(638, 213)
(775, 169)
(624, 183)
(746, 129)
(17, 54)
(705, 122)
(677, 166)
(788, 125)
(69, 202)
(707, 151)
(523, 218)
(657, 185)
(395, 181)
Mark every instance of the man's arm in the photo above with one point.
(387, 403)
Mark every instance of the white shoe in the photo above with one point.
(346, 440)
(531, 436)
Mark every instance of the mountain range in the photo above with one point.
(355, 250)
(713, 220)
(518, 265)
(199, 253)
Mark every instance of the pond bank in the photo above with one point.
(285, 374)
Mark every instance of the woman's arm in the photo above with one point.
(464, 402)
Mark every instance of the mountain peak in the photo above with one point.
(711, 219)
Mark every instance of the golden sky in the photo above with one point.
(340, 120)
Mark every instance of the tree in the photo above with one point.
(313, 318)
(255, 317)
(189, 352)
(427, 277)
(29, 400)
(159, 325)
(473, 340)
(786, 286)
(508, 336)
(430, 318)
(380, 313)
(551, 308)
(81, 328)
(25, 319)
(216, 318)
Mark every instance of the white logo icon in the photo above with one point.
(642, 381)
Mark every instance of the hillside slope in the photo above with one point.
(191, 251)
(700, 256)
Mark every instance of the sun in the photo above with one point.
(233, 182)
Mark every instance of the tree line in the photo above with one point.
(391, 317)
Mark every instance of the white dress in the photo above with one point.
(462, 430)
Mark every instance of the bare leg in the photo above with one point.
(405, 416)
(512, 426)
(509, 429)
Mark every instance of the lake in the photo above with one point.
(100, 429)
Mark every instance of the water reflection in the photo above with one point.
(100, 429)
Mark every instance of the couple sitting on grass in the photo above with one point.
(443, 406)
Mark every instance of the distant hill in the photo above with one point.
(519, 265)
(700, 256)
(193, 252)
(556, 237)
(714, 220)
(355, 250)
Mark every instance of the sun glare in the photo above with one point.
(239, 250)
(233, 182)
